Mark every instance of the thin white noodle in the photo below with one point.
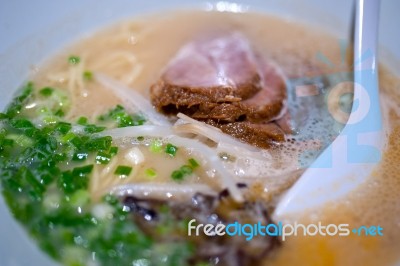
(79, 74)
(108, 168)
(120, 65)
(94, 181)
(225, 142)
(227, 181)
(215, 162)
(138, 131)
(60, 77)
(75, 84)
(212, 133)
(162, 191)
(114, 59)
(132, 75)
(132, 98)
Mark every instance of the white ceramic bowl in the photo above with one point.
(32, 30)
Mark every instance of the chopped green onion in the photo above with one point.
(103, 158)
(101, 143)
(24, 125)
(76, 179)
(79, 198)
(193, 163)
(74, 60)
(21, 140)
(77, 141)
(63, 127)
(122, 118)
(3, 116)
(47, 91)
(16, 105)
(156, 146)
(82, 121)
(171, 149)
(7, 142)
(177, 175)
(68, 137)
(80, 156)
(186, 170)
(82, 171)
(113, 151)
(59, 113)
(88, 75)
(123, 170)
(150, 172)
(93, 128)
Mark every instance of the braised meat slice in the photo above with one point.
(266, 105)
(260, 135)
(217, 69)
(270, 102)
(224, 82)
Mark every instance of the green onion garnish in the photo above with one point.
(177, 175)
(101, 143)
(171, 149)
(82, 171)
(80, 156)
(47, 91)
(193, 163)
(59, 113)
(63, 127)
(88, 76)
(68, 137)
(103, 158)
(113, 151)
(93, 128)
(185, 170)
(150, 172)
(122, 118)
(123, 170)
(156, 146)
(74, 60)
(82, 121)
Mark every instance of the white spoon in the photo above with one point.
(356, 151)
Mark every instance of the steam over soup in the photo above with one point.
(118, 142)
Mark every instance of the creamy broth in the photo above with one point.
(135, 53)
(376, 202)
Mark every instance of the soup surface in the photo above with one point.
(84, 128)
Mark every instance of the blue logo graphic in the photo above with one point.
(332, 96)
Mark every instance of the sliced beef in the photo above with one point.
(222, 81)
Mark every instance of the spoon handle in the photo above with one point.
(366, 33)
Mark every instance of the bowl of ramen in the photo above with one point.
(165, 134)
